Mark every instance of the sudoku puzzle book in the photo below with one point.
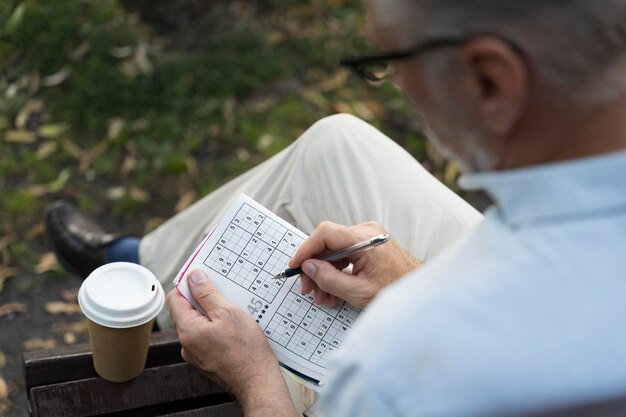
(247, 248)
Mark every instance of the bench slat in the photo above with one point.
(70, 363)
(95, 396)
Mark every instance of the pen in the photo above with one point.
(335, 256)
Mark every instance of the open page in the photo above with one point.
(248, 247)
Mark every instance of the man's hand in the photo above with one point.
(372, 270)
(229, 345)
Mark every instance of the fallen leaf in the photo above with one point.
(341, 107)
(72, 148)
(3, 360)
(69, 338)
(92, 154)
(51, 130)
(37, 230)
(242, 154)
(57, 78)
(16, 18)
(60, 307)
(214, 131)
(192, 166)
(38, 190)
(451, 173)
(128, 165)
(140, 124)
(70, 295)
(10, 308)
(12, 90)
(185, 200)
(39, 343)
(80, 51)
(152, 224)
(4, 389)
(22, 118)
(46, 149)
(122, 52)
(64, 327)
(362, 111)
(20, 136)
(138, 194)
(339, 79)
(6, 273)
(376, 108)
(6, 240)
(35, 83)
(116, 125)
(115, 193)
(229, 109)
(47, 262)
(275, 37)
(265, 141)
(142, 60)
(314, 97)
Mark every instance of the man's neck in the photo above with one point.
(565, 132)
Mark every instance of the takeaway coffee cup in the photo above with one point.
(120, 300)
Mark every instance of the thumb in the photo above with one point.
(330, 279)
(204, 291)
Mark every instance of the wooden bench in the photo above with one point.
(62, 382)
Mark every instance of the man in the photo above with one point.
(525, 311)
(522, 312)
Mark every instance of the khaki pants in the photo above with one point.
(341, 169)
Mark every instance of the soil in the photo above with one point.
(17, 328)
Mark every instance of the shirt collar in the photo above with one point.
(553, 192)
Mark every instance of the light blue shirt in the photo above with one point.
(526, 311)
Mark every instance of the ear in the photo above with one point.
(499, 83)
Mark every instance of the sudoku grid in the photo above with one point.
(309, 330)
(252, 249)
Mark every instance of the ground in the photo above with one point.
(136, 110)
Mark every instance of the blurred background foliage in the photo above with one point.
(137, 108)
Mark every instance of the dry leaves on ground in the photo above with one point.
(60, 307)
(39, 343)
(4, 388)
(20, 136)
(185, 200)
(70, 295)
(12, 308)
(65, 327)
(47, 262)
(5, 404)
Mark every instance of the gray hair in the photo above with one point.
(577, 46)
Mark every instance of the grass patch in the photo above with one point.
(128, 114)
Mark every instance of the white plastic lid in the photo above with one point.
(121, 295)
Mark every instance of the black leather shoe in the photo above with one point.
(79, 243)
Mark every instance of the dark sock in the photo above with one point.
(125, 249)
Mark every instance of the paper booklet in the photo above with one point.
(247, 248)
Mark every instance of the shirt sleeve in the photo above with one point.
(352, 392)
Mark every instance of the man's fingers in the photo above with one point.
(205, 292)
(178, 305)
(327, 236)
(306, 285)
(330, 279)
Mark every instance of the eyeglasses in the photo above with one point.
(376, 69)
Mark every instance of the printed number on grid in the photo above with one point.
(253, 249)
(309, 330)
